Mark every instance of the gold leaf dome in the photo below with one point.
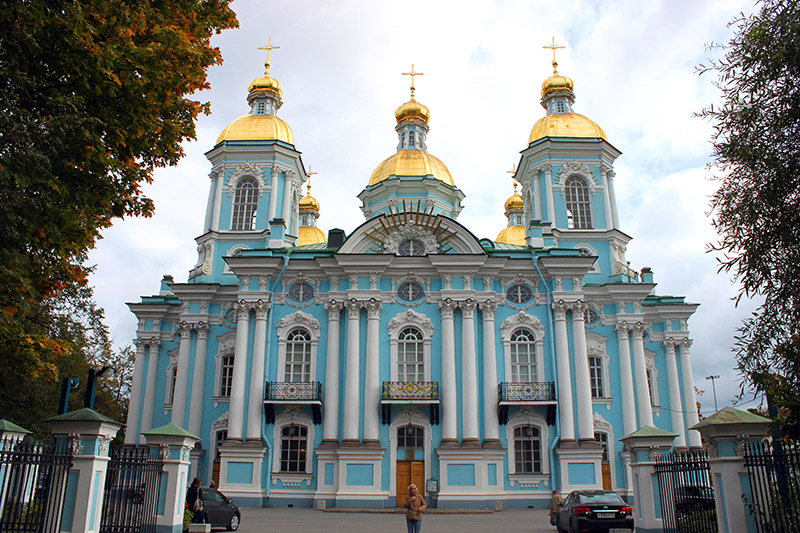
(310, 235)
(308, 202)
(412, 163)
(565, 125)
(257, 128)
(512, 235)
(514, 202)
(412, 110)
(556, 84)
(265, 83)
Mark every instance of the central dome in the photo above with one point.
(565, 125)
(412, 163)
(257, 128)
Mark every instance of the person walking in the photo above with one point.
(555, 503)
(195, 502)
(414, 505)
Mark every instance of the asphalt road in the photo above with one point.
(286, 520)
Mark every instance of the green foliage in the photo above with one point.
(756, 209)
(93, 97)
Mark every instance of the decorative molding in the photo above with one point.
(298, 318)
(446, 307)
(522, 320)
(413, 318)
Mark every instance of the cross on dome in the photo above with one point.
(553, 46)
(412, 74)
(269, 48)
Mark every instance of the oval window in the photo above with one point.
(301, 292)
(519, 294)
(410, 292)
(411, 247)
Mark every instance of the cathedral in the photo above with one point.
(332, 370)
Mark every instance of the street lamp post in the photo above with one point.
(714, 388)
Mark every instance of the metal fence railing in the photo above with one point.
(33, 479)
(131, 491)
(774, 472)
(686, 493)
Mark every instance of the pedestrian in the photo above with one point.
(195, 502)
(212, 485)
(414, 505)
(555, 504)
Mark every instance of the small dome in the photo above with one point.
(309, 203)
(565, 125)
(265, 83)
(514, 202)
(412, 110)
(411, 163)
(556, 84)
(512, 235)
(310, 235)
(257, 128)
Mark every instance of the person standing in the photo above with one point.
(195, 502)
(555, 503)
(414, 505)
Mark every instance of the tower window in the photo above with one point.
(245, 204)
(261, 108)
(560, 107)
(412, 139)
(579, 210)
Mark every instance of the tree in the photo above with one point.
(756, 209)
(94, 95)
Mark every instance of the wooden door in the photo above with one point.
(606, 469)
(215, 473)
(409, 472)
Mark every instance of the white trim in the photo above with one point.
(596, 347)
(532, 324)
(232, 252)
(226, 345)
(292, 414)
(650, 363)
(411, 318)
(413, 415)
(601, 425)
(586, 247)
(173, 363)
(298, 319)
(528, 416)
(220, 424)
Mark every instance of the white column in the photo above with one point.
(153, 346)
(469, 375)
(352, 381)
(182, 378)
(626, 379)
(537, 196)
(135, 403)
(689, 396)
(613, 197)
(583, 387)
(564, 374)
(198, 380)
(287, 199)
(236, 408)
(607, 200)
(548, 182)
(273, 193)
(675, 403)
(330, 421)
(218, 200)
(449, 392)
(372, 384)
(491, 425)
(643, 403)
(256, 398)
(211, 201)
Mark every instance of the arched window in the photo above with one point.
(410, 437)
(596, 376)
(410, 356)
(297, 367)
(527, 450)
(226, 376)
(579, 210)
(523, 356)
(245, 203)
(294, 443)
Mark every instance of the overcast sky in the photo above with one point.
(340, 63)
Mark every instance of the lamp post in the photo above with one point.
(714, 388)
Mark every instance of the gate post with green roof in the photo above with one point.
(173, 444)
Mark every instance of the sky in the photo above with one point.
(340, 64)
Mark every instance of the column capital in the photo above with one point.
(670, 343)
(560, 309)
(686, 343)
(333, 307)
(261, 308)
(242, 310)
(373, 307)
(639, 329)
(446, 307)
(468, 307)
(140, 344)
(353, 307)
(184, 329)
(578, 307)
(622, 328)
(488, 307)
(202, 330)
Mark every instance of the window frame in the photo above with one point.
(285, 326)
(244, 208)
(534, 326)
(226, 345)
(596, 347)
(402, 321)
(293, 415)
(578, 202)
(290, 361)
(528, 416)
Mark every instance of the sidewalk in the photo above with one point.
(285, 520)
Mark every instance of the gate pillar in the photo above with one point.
(726, 435)
(174, 445)
(645, 446)
(88, 433)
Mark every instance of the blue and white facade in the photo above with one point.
(409, 349)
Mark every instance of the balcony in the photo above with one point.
(289, 393)
(526, 393)
(409, 392)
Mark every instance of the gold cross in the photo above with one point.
(412, 74)
(553, 46)
(309, 174)
(269, 48)
(513, 173)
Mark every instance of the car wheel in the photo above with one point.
(234, 525)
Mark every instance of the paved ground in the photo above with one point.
(284, 520)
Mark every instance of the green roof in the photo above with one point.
(170, 430)
(83, 415)
(651, 431)
(6, 425)
(730, 415)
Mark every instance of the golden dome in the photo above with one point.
(514, 202)
(556, 84)
(308, 202)
(257, 128)
(512, 235)
(265, 83)
(411, 163)
(565, 125)
(310, 235)
(412, 110)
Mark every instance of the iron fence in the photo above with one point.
(279, 390)
(520, 391)
(774, 472)
(686, 493)
(410, 390)
(33, 479)
(131, 491)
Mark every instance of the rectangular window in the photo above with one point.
(527, 450)
(596, 377)
(173, 381)
(293, 448)
(226, 376)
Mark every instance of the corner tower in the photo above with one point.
(256, 180)
(412, 176)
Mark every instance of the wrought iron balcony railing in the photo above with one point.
(527, 391)
(279, 390)
(410, 390)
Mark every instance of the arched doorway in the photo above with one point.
(410, 460)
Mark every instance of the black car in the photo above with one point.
(594, 510)
(220, 510)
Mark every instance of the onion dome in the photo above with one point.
(512, 235)
(556, 84)
(515, 232)
(514, 201)
(412, 110)
(309, 202)
(265, 83)
(308, 207)
(310, 235)
(412, 163)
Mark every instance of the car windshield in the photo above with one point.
(601, 497)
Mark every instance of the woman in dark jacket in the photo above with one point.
(192, 495)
